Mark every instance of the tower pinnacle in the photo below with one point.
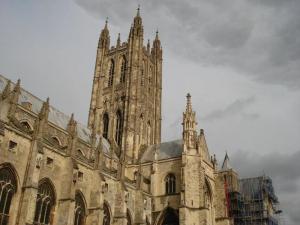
(138, 10)
(188, 103)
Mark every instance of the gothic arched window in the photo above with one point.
(128, 217)
(8, 187)
(111, 73)
(148, 133)
(170, 183)
(123, 70)
(26, 125)
(207, 195)
(119, 128)
(44, 203)
(56, 141)
(79, 209)
(105, 125)
(143, 74)
(106, 214)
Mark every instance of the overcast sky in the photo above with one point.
(239, 59)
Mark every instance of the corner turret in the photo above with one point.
(104, 40)
(189, 125)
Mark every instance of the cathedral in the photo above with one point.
(115, 170)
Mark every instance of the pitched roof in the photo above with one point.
(165, 150)
(55, 116)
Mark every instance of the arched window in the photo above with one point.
(119, 128)
(170, 182)
(105, 125)
(143, 74)
(26, 125)
(79, 209)
(44, 203)
(123, 69)
(207, 195)
(148, 133)
(111, 73)
(147, 221)
(128, 217)
(8, 187)
(106, 214)
(80, 152)
(56, 141)
(150, 76)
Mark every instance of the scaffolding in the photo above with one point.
(254, 203)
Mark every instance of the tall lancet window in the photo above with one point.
(170, 184)
(111, 73)
(123, 69)
(106, 214)
(143, 74)
(79, 209)
(44, 204)
(128, 217)
(119, 128)
(148, 133)
(105, 125)
(8, 187)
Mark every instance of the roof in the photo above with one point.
(55, 116)
(165, 150)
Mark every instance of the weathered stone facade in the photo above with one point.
(53, 170)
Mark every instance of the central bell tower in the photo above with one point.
(125, 104)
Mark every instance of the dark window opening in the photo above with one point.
(8, 187)
(119, 128)
(79, 210)
(170, 183)
(44, 204)
(105, 125)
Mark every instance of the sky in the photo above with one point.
(239, 59)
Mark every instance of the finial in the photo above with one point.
(138, 10)
(106, 22)
(156, 36)
(119, 40)
(188, 103)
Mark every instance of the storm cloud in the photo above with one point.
(239, 59)
(257, 38)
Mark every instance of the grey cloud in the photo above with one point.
(256, 38)
(233, 109)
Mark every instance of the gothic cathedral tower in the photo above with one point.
(125, 104)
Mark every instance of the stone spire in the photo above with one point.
(137, 19)
(104, 37)
(137, 29)
(156, 42)
(226, 165)
(118, 40)
(188, 103)
(189, 124)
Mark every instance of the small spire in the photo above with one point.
(106, 22)
(18, 86)
(188, 103)
(6, 90)
(156, 35)
(148, 46)
(138, 10)
(226, 165)
(119, 40)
